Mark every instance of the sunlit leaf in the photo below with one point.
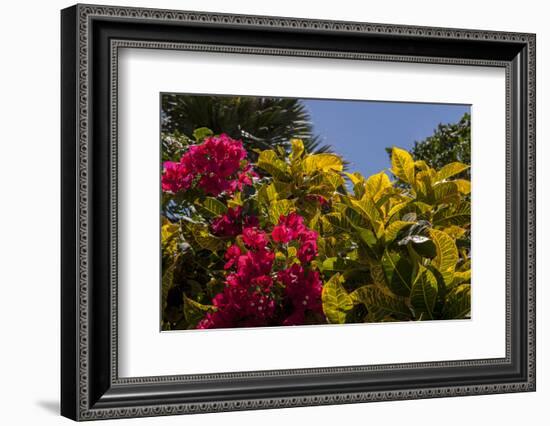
(235, 201)
(336, 300)
(446, 254)
(376, 184)
(464, 186)
(169, 238)
(402, 165)
(355, 177)
(201, 133)
(323, 162)
(447, 193)
(449, 170)
(459, 215)
(279, 208)
(212, 207)
(270, 162)
(297, 146)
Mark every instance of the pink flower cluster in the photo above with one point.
(231, 223)
(247, 299)
(255, 294)
(217, 165)
(291, 228)
(302, 284)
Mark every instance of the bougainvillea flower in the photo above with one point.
(250, 221)
(254, 264)
(240, 306)
(303, 288)
(231, 223)
(291, 227)
(231, 255)
(254, 238)
(282, 234)
(217, 165)
(288, 228)
(263, 282)
(297, 317)
(307, 251)
(175, 177)
(307, 235)
(228, 224)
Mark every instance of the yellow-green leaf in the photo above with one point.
(396, 208)
(454, 231)
(292, 252)
(454, 215)
(279, 208)
(169, 237)
(366, 236)
(447, 193)
(167, 280)
(376, 184)
(368, 208)
(336, 300)
(424, 182)
(201, 133)
(449, 170)
(393, 229)
(379, 303)
(421, 165)
(424, 294)
(458, 303)
(271, 163)
(464, 186)
(377, 274)
(194, 311)
(207, 241)
(273, 191)
(212, 206)
(323, 163)
(356, 217)
(461, 277)
(297, 149)
(402, 165)
(446, 254)
(398, 271)
(355, 178)
(235, 201)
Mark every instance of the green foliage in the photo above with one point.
(336, 300)
(390, 247)
(450, 143)
(406, 233)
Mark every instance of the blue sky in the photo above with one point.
(361, 130)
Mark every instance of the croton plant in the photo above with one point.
(286, 237)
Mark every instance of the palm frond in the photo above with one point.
(260, 122)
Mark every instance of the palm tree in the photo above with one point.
(259, 122)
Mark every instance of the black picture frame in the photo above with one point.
(90, 386)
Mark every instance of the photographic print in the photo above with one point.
(289, 211)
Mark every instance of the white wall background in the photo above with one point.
(29, 233)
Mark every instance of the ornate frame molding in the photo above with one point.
(78, 24)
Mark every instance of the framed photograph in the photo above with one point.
(263, 212)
